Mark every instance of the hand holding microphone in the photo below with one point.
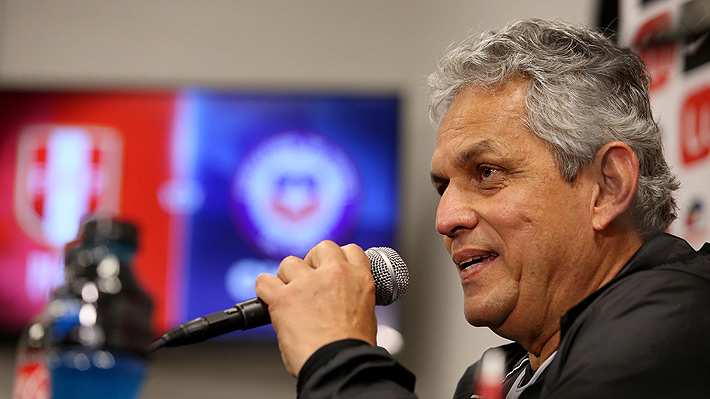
(327, 296)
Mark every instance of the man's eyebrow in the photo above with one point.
(475, 151)
(437, 180)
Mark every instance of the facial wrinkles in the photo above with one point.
(474, 130)
(469, 135)
(551, 285)
(484, 124)
(513, 217)
(534, 222)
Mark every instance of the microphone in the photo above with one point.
(388, 270)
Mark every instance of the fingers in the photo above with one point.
(292, 268)
(356, 256)
(267, 286)
(326, 254)
(330, 253)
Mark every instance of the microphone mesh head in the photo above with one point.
(390, 274)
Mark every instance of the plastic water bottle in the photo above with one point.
(97, 328)
(32, 377)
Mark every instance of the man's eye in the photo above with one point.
(487, 172)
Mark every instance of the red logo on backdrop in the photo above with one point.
(659, 56)
(695, 126)
(65, 173)
(295, 198)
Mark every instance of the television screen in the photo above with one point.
(222, 185)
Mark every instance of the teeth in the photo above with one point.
(471, 263)
(472, 260)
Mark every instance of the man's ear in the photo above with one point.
(616, 171)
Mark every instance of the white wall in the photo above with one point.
(321, 44)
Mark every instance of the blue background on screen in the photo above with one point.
(225, 127)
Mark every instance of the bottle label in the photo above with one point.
(32, 380)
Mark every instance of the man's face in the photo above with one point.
(515, 229)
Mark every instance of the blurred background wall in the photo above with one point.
(366, 45)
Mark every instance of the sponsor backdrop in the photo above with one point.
(672, 37)
(222, 185)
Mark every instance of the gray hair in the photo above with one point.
(583, 92)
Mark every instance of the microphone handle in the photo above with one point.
(255, 313)
(242, 316)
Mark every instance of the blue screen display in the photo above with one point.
(276, 174)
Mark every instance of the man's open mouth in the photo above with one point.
(471, 263)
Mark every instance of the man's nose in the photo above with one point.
(454, 213)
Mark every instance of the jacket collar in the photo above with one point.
(660, 249)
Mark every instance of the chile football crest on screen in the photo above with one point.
(64, 173)
(293, 190)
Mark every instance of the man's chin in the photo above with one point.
(481, 319)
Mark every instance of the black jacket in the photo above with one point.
(646, 334)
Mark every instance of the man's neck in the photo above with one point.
(548, 349)
(613, 256)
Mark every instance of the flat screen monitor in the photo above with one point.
(222, 184)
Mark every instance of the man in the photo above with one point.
(554, 201)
